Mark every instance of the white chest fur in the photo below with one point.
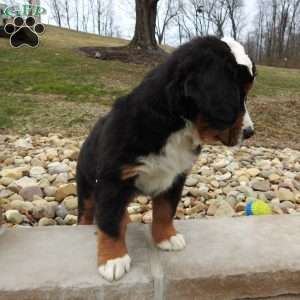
(158, 171)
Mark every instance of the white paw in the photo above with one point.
(175, 243)
(114, 269)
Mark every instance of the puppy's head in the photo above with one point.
(217, 80)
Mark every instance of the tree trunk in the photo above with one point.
(144, 36)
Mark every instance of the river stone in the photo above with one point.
(13, 216)
(191, 181)
(57, 168)
(196, 209)
(61, 211)
(261, 185)
(6, 181)
(21, 206)
(5, 193)
(51, 154)
(221, 163)
(70, 220)
(50, 191)
(253, 172)
(59, 221)
(224, 209)
(25, 182)
(285, 195)
(14, 173)
(71, 154)
(61, 178)
(223, 177)
(37, 172)
(24, 143)
(136, 218)
(29, 192)
(35, 162)
(70, 203)
(65, 191)
(274, 178)
(46, 222)
(287, 204)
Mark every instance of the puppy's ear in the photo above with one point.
(216, 96)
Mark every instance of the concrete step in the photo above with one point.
(226, 258)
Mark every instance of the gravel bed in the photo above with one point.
(37, 182)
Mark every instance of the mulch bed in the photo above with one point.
(126, 54)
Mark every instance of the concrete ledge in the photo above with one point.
(232, 258)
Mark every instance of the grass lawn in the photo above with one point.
(54, 88)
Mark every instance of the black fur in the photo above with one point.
(200, 78)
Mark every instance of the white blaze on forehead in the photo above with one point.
(239, 52)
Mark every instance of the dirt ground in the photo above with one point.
(125, 54)
(277, 121)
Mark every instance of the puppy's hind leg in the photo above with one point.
(86, 201)
(112, 218)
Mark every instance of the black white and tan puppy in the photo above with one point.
(150, 139)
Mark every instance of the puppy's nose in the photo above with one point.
(248, 132)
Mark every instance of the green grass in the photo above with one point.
(54, 88)
(55, 73)
(277, 82)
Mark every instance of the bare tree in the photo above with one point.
(167, 11)
(202, 17)
(234, 8)
(92, 6)
(77, 14)
(67, 10)
(55, 6)
(292, 26)
(99, 15)
(277, 33)
(144, 35)
(218, 16)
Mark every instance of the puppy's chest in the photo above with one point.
(158, 171)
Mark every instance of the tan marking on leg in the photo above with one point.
(129, 171)
(109, 247)
(87, 217)
(162, 225)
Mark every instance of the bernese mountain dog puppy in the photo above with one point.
(150, 139)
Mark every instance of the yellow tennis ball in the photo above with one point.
(259, 208)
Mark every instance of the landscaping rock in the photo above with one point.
(70, 203)
(29, 192)
(61, 211)
(65, 190)
(13, 216)
(224, 209)
(37, 172)
(70, 220)
(261, 185)
(57, 168)
(220, 183)
(46, 222)
(25, 182)
(285, 195)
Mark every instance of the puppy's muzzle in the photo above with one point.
(248, 133)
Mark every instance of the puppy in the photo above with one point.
(149, 141)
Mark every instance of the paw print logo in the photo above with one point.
(24, 32)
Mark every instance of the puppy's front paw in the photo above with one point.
(114, 269)
(174, 243)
